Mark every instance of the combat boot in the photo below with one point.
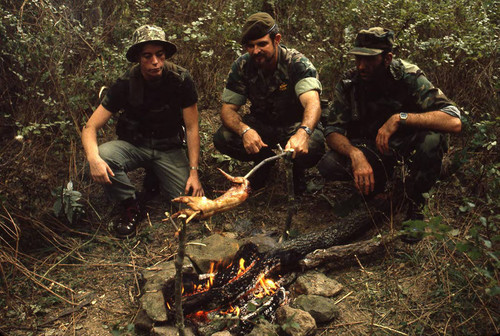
(128, 224)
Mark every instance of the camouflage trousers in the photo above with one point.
(231, 144)
(421, 152)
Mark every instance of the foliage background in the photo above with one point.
(55, 55)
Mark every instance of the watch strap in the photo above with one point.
(307, 129)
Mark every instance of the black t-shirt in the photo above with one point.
(154, 106)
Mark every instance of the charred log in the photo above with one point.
(338, 233)
(342, 254)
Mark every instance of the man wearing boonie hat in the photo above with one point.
(283, 89)
(386, 110)
(156, 98)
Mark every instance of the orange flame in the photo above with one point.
(268, 287)
(242, 267)
(212, 275)
(231, 310)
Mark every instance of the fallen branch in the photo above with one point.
(86, 301)
(341, 253)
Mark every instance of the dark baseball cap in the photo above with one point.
(256, 26)
(373, 41)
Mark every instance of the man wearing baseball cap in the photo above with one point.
(156, 99)
(283, 89)
(386, 111)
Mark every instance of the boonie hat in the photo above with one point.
(145, 34)
(256, 26)
(373, 41)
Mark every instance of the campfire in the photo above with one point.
(233, 295)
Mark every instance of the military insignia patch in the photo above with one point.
(283, 87)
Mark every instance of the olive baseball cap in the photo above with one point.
(145, 34)
(256, 26)
(373, 41)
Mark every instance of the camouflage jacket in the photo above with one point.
(275, 99)
(359, 108)
(152, 109)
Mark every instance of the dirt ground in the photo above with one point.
(87, 282)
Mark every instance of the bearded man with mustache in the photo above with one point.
(283, 89)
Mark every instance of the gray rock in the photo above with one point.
(231, 235)
(222, 333)
(152, 298)
(170, 331)
(215, 248)
(315, 283)
(321, 308)
(165, 271)
(154, 305)
(264, 328)
(143, 322)
(264, 243)
(295, 322)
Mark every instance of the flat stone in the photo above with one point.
(316, 283)
(222, 333)
(170, 331)
(165, 271)
(153, 304)
(152, 300)
(321, 308)
(295, 322)
(215, 248)
(263, 242)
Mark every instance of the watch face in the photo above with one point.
(307, 129)
(403, 115)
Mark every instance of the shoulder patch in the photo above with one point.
(410, 68)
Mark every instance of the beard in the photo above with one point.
(377, 74)
(262, 60)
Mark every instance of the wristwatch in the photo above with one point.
(402, 117)
(307, 129)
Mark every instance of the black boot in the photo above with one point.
(127, 225)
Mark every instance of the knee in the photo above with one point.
(433, 144)
(113, 153)
(222, 138)
(328, 166)
(106, 151)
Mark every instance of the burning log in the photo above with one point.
(202, 207)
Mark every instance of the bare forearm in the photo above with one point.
(89, 142)
(434, 120)
(89, 133)
(231, 118)
(312, 108)
(341, 144)
(193, 142)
